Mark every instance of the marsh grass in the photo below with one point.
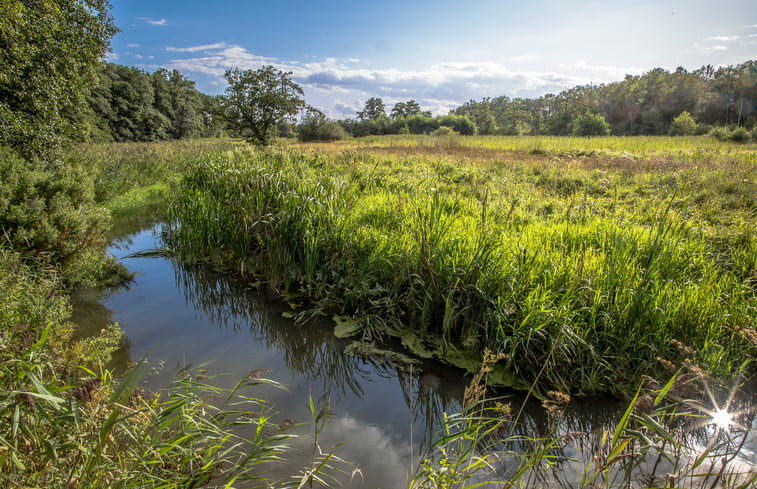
(663, 439)
(594, 273)
(66, 422)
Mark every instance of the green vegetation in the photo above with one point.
(49, 53)
(256, 101)
(683, 125)
(315, 126)
(595, 269)
(480, 447)
(586, 265)
(645, 104)
(130, 105)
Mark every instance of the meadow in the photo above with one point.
(590, 264)
(587, 265)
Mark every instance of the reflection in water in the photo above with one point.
(311, 351)
(388, 416)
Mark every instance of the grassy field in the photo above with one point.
(590, 263)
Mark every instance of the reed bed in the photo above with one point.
(597, 277)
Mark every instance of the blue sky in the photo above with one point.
(440, 53)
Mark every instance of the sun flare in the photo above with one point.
(722, 419)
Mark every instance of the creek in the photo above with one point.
(384, 417)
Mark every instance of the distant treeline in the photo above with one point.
(131, 105)
(645, 104)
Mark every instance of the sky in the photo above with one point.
(440, 53)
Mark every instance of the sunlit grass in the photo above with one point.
(625, 270)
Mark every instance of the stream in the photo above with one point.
(384, 417)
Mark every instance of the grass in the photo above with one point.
(603, 274)
(588, 265)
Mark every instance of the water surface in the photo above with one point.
(385, 417)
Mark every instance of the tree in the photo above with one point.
(459, 123)
(49, 55)
(374, 109)
(256, 101)
(405, 109)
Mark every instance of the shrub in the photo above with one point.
(702, 129)
(741, 135)
(421, 124)
(720, 133)
(683, 125)
(445, 131)
(590, 124)
(315, 126)
(459, 123)
(50, 213)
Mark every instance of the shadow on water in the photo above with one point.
(387, 416)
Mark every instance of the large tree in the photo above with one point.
(374, 109)
(256, 101)
(49, 55)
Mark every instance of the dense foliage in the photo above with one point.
(645, 104)
(131, 105)
(315, 126)
(257, 101)
(49, 53)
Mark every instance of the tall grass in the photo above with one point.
(663, 439)
(598, 277)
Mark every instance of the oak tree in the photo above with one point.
(257, 101)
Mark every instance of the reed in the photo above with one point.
(596, 273)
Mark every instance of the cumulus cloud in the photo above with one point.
(150, 21)
(438, 87)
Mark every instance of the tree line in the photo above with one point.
(646, 104)
(129, 104)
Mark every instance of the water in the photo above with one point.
(383, 416)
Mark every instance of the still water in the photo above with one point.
(384, 418)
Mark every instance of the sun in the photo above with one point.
(722, 419)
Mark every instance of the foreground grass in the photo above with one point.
(586, 277)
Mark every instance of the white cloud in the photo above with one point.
(112, 56)
(150, 21)
(337, 85)
(724, 38)
(133, 45)
(197, 49)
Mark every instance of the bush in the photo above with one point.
(590, 124)
(50, 214)
(445, 131)
(741, 135)
(720, 133)
(702, 129)
(421, 124)
(459, 123)
(683, 125)
(315, 126)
